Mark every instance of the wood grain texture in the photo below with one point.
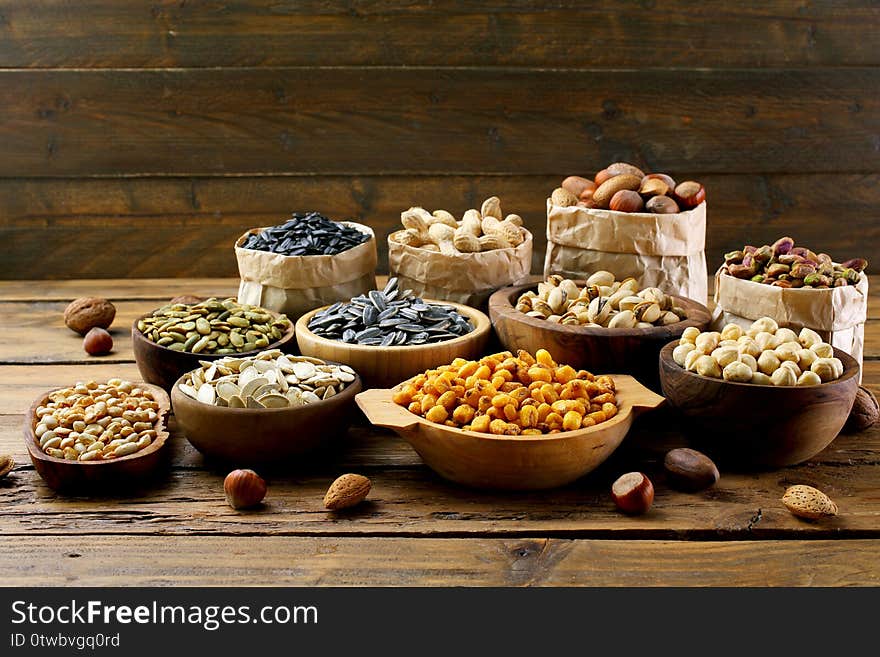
(304, 561)
(471, 120)
(103, 33)
(187, 226)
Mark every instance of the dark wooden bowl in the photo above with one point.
(162, 366)
(251, 436)
(599, 350)
(101, 476)
(757, 425)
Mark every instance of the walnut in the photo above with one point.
(865, 411)
(86, 313)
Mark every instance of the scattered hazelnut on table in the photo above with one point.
(85, 313)
(244, 489)
(633, 493)
(97, 342)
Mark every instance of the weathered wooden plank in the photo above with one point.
(186, 226)
(104, 33)
(152, 289)
(528, 121)
(330, 561)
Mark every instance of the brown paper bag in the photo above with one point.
(658, 250)
(837, 314)
(295, 285)
(468, 278)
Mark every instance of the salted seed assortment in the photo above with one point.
(93, 421)
(213, 326)
(601, 302)
(510, 395)
(306, 234)
(389, 317)
(269, 379)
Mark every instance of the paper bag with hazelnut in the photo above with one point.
(796, 287)
(636, 225)
(294, 285)
(464, 261)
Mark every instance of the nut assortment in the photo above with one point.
(93, 421)
(306, 234)
(213, 326)
(510, 395)
(601, 302)
(389, 317)
(623, 187)
(485, 229)
(269, 379)
(763, 354)
(783, 264)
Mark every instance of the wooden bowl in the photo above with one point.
(249, 435)
(162, 366)
(630, 351)
(104, 476)
(758, 425)
(388, 366)
(511, 462)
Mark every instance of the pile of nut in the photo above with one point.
(269, 379)
(97, 421)
(783, 264)
(213, 326)
(764, 354)
(478, 230)
(623, 187)
(510, 395)
(602, 302)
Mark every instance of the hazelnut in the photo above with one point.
(690, 193)
(662, 205)
(97, 342)
(690, 470)
(633, 493)
(653, 187)
(661, 176)
(626, 201)
(578, 186)
(85, 313)
(864, 412)
(244, 488)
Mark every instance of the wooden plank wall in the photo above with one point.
(139, 139)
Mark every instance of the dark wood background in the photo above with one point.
(139, 139)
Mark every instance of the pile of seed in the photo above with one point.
(388, 318)
(268, 380)
(93, 421)
(213, 326)
(306, 234)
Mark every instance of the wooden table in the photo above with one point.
(416, 529)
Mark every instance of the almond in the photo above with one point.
(604, 192)
(808, 502)
(346, 491)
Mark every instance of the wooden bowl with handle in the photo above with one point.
(99, 476)
(251, 436)
(484, 460)
(630, 351)
(762, 426)
(388, 366)
(162, 366)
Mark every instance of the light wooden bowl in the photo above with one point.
(100, 476)
(250, 436)
(630, 351)
(511, 462)
(162, 366)
(757, 425)
(388, 366)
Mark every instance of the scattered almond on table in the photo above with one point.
(347, 491)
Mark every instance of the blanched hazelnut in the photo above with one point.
(747, 345)
(808, 337)
(768, 362)
(809, 379)
(750, 361)
(707, 366)
(725, 355)
(828, 369)
(786, 335)
(822, 350)
(732, 332)
(793, 366)
(707, 342)
(681, 351)
(806, 358)
(689, 335)
(737, 372)
(763, 324)
(788, 351)
(690, 360)
(766, 340)
(761, 379)
(783, 377)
